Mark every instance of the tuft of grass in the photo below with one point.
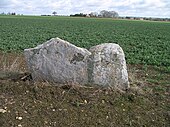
(10, 68)
(8, 65)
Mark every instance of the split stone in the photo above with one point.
(62, 62)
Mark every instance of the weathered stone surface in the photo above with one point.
(58, 61)
(107, 66)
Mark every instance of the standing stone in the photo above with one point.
(58, 61)
(107, 66)
(61, 62)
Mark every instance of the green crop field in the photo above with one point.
(143, 42)
(26, 103)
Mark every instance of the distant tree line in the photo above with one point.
(79, 15)
(9, 13)
(105, 14)
(145, 18)
(101, 14)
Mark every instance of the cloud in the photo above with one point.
(149, 8)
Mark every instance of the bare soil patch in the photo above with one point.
(24, 103)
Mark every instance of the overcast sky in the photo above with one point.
(147, 8)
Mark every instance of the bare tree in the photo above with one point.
(114, 14)
(93, 14)
(104, 14)
(108, 14)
